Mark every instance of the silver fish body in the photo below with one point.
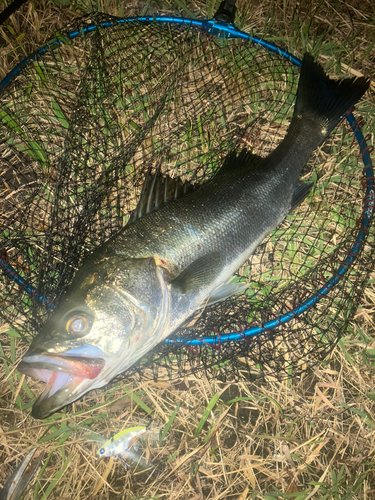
(142, 284)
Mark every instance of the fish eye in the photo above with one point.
(78, 324)
(101, 451)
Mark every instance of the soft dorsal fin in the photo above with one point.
(244, 158)
(157, 191)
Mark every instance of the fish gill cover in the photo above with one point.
(82, 123)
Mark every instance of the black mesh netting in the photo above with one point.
(81, 124)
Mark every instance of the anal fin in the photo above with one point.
(225, 291)
(300, 191)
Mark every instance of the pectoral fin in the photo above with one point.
(200, 273)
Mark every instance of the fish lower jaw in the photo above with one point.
(60, 381)
(61, 389)
(66, 377)
(58, 391)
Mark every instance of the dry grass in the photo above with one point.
(311, 437)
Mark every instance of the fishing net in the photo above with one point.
(84, 118)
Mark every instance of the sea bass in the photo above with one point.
(174, 258)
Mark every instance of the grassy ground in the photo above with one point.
(311, 437)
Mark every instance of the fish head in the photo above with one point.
(114, 312)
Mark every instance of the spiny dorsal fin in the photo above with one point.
(157, 191)
(243, 159)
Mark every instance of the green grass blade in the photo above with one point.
(169, 423)
(206, 413)
(56, 478)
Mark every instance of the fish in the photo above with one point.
(179, 252)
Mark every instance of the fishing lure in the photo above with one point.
(125, 443)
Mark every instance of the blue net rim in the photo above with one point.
(220, 29)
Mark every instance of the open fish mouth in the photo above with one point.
(67, 376)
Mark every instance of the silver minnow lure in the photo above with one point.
(123, 442)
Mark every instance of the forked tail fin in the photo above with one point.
(322, 100)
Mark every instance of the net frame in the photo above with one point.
(220, 29)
